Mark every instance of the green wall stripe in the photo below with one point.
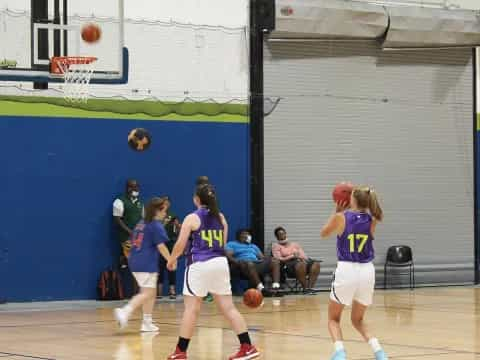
(123, 109)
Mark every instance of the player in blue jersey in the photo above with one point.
(354, 279)
(148, 242)
(207, 272)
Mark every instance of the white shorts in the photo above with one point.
(212, 276)
(146, 280)
(353, 282)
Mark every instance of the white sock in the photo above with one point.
(276, 286)
(260, 287)
(147, 318)
(375, 344)
(128, 309)
(338, 345)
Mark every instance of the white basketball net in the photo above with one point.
(76, 72)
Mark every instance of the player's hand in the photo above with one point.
(341, 206)
(172, 264)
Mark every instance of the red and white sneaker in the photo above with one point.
(246, 352)
(178, 355)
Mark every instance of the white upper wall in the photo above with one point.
(229, 13)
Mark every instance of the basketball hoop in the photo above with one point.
(77, 72)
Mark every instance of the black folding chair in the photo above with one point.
(292, 283)
(398, 257)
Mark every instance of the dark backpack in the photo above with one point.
(110, 286)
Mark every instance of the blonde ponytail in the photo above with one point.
(367, 198)
(374, 206)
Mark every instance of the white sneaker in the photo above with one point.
(149, 327)
(121, 317)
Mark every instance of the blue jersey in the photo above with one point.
(243, 251)
(144, 254)
(208, 241)
(356, 242)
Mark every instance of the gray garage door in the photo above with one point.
(400, 121)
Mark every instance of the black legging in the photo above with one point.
(172, 275)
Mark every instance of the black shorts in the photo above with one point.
(290, 266)
(263, 267)
(240, 268)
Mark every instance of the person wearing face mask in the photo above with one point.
(148, 241)
(248, 261)
(298, 265)
(127, 212)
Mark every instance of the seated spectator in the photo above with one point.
(247, 260)
(298, 265)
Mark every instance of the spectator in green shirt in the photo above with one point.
(127, 212)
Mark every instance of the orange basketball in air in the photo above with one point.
(253, 298)
(91, 33)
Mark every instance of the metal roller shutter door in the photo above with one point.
(400, 121)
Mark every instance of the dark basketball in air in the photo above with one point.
(139, 139)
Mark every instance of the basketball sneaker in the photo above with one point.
(148, 327)
(121, 317)
(380, 355)
(178, 355)
(339, 355)
(246, 352)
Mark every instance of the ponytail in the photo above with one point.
(208, 198)
(374, 206)
(367, 198)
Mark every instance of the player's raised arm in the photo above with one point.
(190, 223)
(335, 223)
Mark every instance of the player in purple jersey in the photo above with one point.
(354, 279)
(207, 272)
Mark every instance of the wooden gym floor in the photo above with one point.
(426, 324)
